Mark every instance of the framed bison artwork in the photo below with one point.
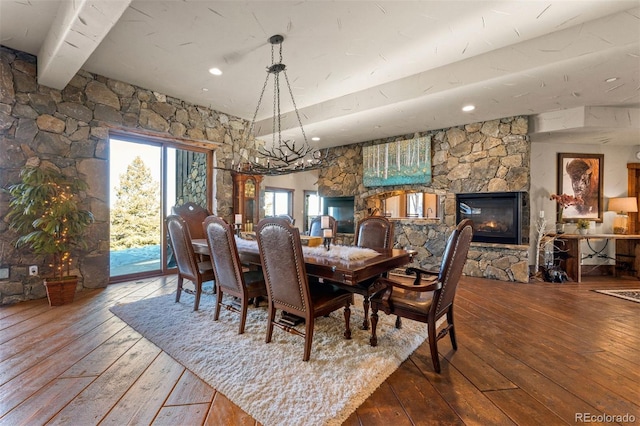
(580, 175)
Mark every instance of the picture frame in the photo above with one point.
(406, 162)
(580, 175)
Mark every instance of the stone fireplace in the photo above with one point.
(342, 209)
(484, 157)
(496, 216)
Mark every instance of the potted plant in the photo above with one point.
(44, 210)
(582, 225)
(564, 201)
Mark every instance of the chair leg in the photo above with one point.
(308, 339)
(179, 290)
(398, 322)
(196, 303)
(347, 317)
(216, 313)
(374, 324)
(433, 345)
(270, 320)
(452, 329)
(243, 314)
(365, 306)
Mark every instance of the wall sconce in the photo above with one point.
(622, 206)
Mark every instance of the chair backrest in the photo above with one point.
(283, 266)
(374, 232)
(453, 260)
(288, 218)
(193, 215)
(181, 245)
(315, 228)
(224, 254)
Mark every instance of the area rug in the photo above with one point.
(270, 381)
(633, 294)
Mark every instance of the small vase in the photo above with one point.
(559, 228)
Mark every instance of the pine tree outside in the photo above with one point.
(136, 225)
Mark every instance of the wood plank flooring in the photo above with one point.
(528, 354)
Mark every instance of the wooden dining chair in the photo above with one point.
(288, 286)
(189, 265)
(193, 216)
(315, 227)
(230, 277)
(429, 300)
(374, 232)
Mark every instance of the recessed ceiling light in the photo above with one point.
(215, 71)
(204, 89)
(468, 108)
(611, 79)
(315, 138)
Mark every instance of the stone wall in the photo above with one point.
(69, 129)
(480, 157)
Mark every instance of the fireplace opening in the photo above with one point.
(342, 209)
(496, 216)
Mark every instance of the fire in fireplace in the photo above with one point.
(496, 216)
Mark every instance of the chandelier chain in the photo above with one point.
(283, 156)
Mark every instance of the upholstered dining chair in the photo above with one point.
(288, 218)
(189, 265)
(230, 277)
(288, 286)
(315, 227)
(427, 301)
(374, 232)
(193, 216)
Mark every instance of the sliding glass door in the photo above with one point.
(147, 178)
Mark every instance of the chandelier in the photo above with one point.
(282, 156)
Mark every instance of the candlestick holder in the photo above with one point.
(327, 242)
(237, 226)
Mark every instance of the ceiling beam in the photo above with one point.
(77, 30)
(581, 117)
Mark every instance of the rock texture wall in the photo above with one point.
(69, 129)
(479, 157)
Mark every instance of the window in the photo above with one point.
(278, 201)
(311, 207)
(415, 204)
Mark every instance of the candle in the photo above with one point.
(327, 233)
(324, 222)
(541, 213)
(238, 219)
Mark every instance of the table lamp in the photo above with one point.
(622, 205)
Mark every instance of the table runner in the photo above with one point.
(349, 253)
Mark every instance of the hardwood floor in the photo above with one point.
(528, 354)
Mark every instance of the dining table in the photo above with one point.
(334, 265)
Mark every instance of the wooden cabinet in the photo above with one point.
(246, 199)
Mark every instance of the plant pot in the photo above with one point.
(582, 231)
(61, 291)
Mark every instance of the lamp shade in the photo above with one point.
(623, 204)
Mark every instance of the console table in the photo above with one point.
(627, 252)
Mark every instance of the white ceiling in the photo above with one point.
(359, 70)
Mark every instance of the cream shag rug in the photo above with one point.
(270, 381)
